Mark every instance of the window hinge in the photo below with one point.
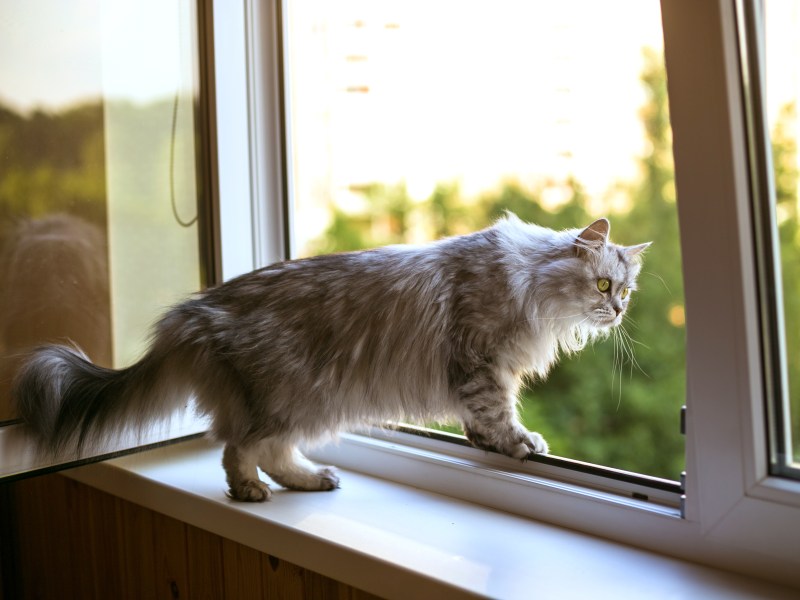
(683, 473)
(683, 494)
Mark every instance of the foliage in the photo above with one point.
(53, 163)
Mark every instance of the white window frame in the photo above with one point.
(736, 502)
(736, 515)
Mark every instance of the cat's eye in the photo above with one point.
(603, 284)
(624, 293)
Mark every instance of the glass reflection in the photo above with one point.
(98, 174)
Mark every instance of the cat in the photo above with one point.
(299, 350)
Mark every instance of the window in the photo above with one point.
(399, 137)
(737, 514)
(105, 194)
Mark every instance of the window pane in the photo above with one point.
(99, 188)
(412, 120)
(783, 92)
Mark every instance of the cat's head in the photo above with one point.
(605, 277)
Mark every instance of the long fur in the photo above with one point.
(302, 349)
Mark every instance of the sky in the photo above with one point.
(33, 32)
(452, 91)
(528, 90)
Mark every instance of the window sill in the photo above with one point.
(392, 540)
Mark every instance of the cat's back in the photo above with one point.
(389, 271)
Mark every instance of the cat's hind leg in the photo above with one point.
(240, 464)
(285, 464)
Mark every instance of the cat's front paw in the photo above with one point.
(532, 442)
(537, 443)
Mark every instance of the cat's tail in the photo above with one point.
(69, 403)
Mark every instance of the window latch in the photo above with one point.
(683, 420)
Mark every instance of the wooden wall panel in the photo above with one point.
(137, 559)
(242, 568)
(171, 560)
(69, 540)
(101, 561)
(205, 565)
(281, 577)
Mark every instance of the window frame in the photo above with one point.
(752, 20)
(735, 515)
(731, 493)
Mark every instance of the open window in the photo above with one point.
(409, 121)
(106, 193)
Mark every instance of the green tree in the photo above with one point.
(447, 212)
(784, 158)
(385, 221)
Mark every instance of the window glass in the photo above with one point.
(99, 187)
(411, 120)
(782, 21)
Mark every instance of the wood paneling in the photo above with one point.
(69, 540)
(243, 578)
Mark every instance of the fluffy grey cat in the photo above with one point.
(296, 351)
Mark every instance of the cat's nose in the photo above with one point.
(618, 310)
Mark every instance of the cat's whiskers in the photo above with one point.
(632, 322)
(617, 364)
(630, 342)
(661, 279)
(624, 353)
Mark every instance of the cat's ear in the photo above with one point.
(594, 236)
(632, 251)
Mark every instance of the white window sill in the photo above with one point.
(399, 542)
